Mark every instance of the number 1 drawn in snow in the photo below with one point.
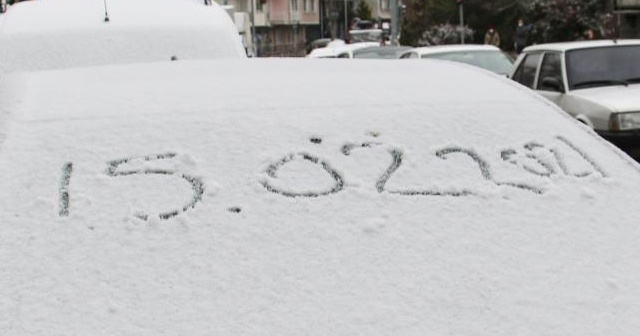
(63, 206)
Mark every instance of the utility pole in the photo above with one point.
(395, 17)
(346, 21)
(461, 5)
(254, 50)
(321, 12)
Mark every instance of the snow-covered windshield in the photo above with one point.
(198, 198)
(496, 61)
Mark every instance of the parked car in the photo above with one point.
(318, 43)
(484, 56)
(340, 51)
(170, 198)
(56, 34)
(597, 82)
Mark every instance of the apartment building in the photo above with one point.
(286, 27)
(282, 27)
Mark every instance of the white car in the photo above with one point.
(597, 82)
(57, 34)
(484, 56)
(164, 199)
(340, 51)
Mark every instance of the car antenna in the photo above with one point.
(106, 13)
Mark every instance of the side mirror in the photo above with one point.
(551, 84)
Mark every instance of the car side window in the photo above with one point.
(526, 72)
(550, 78)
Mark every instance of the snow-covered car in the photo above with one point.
(340, 51)
(597, 82)
(484, 56)
(55, 34)
(167, 199)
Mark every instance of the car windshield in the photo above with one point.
(380, 52)
(365, 35)
(496, 61)
(615, 65)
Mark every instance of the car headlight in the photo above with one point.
(624, 121)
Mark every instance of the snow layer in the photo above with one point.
(54, 34)
(433, 199)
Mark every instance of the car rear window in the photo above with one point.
(188, 198)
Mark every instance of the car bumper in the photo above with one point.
(628, 141)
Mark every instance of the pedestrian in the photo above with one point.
(492, 37)
(521, 36)
(589, 35)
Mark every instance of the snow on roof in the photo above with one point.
(453, 48)
(324, 52)
(51, 34)
(334, 51)
(47, 16)
(189, 198)
(336, 43)
(564, 46)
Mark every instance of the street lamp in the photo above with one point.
(253, 28)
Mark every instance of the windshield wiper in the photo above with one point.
(633, 80)
(601, 82)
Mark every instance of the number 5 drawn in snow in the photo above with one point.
(196, 184)
(112, 170)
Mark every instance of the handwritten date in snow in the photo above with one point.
(533, 158)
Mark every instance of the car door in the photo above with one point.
(527, 70)
(551, 82)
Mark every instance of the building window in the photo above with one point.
(294, 5)
(309, 5)
(259, 5)
(385, 4)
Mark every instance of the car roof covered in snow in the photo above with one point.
(454, 48)
(52, 34)
(334, 51)
(180, 198)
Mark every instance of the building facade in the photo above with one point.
(282, 27)
(286, 27)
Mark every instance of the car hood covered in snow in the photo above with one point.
(290, 197)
